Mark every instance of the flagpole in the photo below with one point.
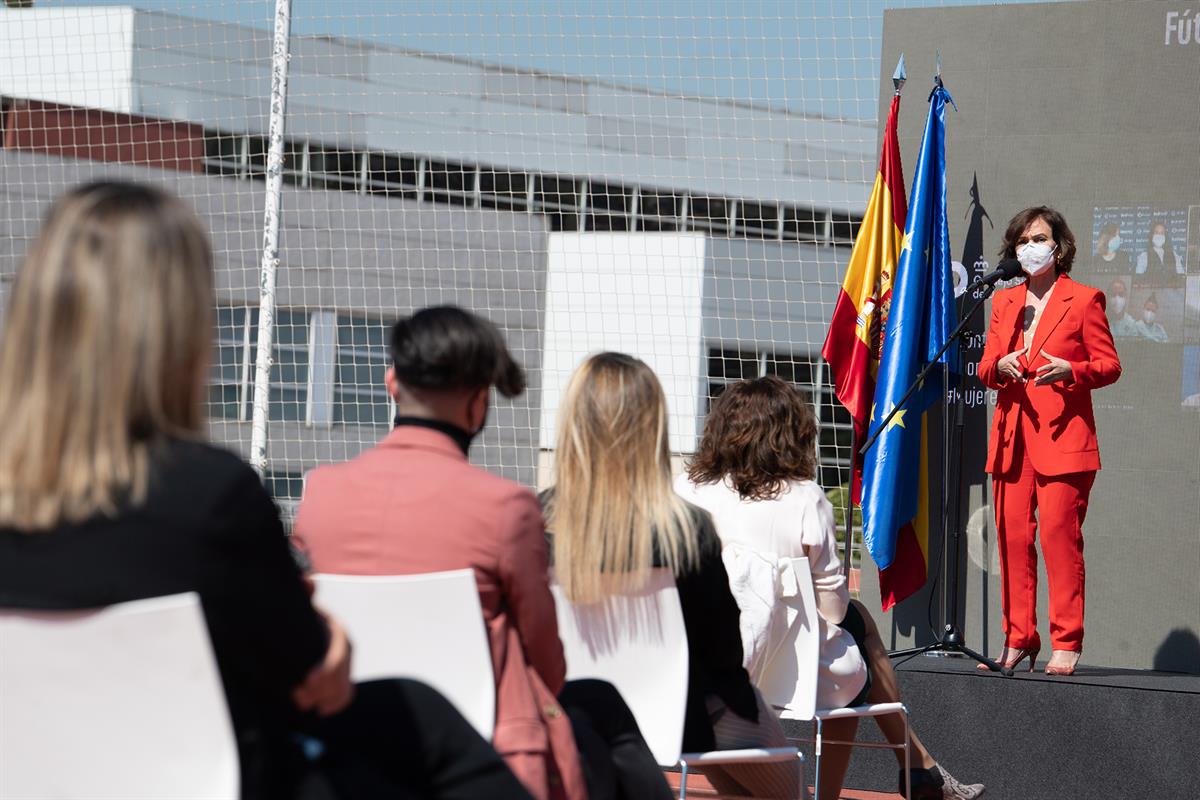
(850, 504)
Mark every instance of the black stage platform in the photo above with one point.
(1102, 733)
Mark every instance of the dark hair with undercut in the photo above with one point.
(1064, 255)
(448, 348)
(760, 434)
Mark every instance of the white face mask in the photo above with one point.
(1035, 257)
(1119, 303)
(1148, 316)
(1114, 244)
(1158, 240)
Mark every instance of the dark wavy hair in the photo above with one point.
(760, 434)
(1065, 254)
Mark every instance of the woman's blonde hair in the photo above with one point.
(613, 506)
(103, 351)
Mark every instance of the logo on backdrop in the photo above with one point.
(1183, 27)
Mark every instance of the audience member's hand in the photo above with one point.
(328, 688)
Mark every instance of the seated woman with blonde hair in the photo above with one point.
(613, 517)
(754, 473)
(109, 493)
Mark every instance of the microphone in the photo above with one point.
(1005, 271)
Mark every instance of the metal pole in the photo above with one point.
(270, 255)
(849, 506)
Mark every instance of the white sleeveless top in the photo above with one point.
(797, 524)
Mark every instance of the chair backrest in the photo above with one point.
(429, 627)
(789, 680)
(124, 701)
(636, 642)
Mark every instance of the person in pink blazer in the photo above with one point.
(415, 504)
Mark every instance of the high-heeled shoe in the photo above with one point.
(1066, 666)
(937, 784)
(1012, 656)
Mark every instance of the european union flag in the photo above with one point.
(895, 495)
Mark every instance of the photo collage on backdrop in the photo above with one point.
(1146, 259)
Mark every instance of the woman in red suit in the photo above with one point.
(1048, 345)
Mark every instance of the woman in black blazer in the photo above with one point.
(108, 494)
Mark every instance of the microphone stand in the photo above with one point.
(952, 637)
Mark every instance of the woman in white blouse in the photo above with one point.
(753, 472)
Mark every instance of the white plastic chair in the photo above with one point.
(429, 627)
(789, 682)
(637, 642)
(124, 701)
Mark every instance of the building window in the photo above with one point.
(289, 370)
(359, 394)
(558, 198)
(331, 168)
(225, 153)
(708, 214)
(393, 175)
(609, 207)
(803, 225)
(449, 184)
(508, 191)
(757, 220)
(844, 228)
(659, 211)
(231, 390)
(562, 199)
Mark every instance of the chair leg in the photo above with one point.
(817, 766)
(683, 781)
(907, 759)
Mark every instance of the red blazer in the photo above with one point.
(1055, 421)
(412, 504)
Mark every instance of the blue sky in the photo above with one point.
(819, 56)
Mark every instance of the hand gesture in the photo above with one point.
(1007, 366)
(1057, 370)
(328, 688)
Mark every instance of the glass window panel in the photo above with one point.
(803, 225)
(757, 220)
(392, 174)
(359, 397)
(448, 183)
(287, 404)
(223, 401)
(558, 198)
(733, 365)
(708, 214)
(505, 190)
(284, 485)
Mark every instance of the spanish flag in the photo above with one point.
(895, 488)
(855, 339)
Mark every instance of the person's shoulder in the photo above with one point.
(803, 496)
(488, 486)
(202, 480)
(702, 521)
(1008, 294)
(201, 464)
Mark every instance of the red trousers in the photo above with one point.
(1026, 501)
